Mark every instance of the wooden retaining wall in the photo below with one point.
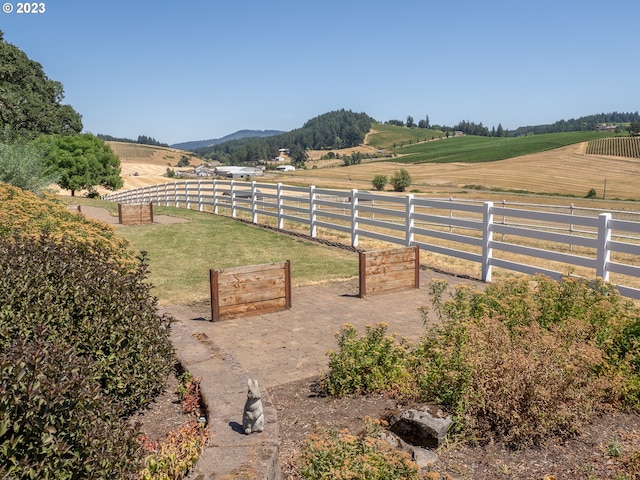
(251, 290)
(135, 213)
(388, 270)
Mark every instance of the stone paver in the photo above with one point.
(277, 348)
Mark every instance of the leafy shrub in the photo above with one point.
(173, 458)
(527, 359)
(101, 308)
(340, 455)
(23, 165)
(26, 214)
(55, 421)
(372, 363)
(379, 182)
(518, 362)
(400, 180)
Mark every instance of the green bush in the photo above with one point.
(379, 182)
(84, 299)
(400, 180)
(55, 421)
(372, 363)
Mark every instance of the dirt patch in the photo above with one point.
(163, 414)
(593, 454)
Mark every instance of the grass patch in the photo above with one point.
(387, 137)
(180, 255)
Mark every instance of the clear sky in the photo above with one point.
(193, 70)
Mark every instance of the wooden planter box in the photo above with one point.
(252, 290)
(388, 270)
(135, 213)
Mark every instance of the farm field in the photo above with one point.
(147, 165)
(565, 171)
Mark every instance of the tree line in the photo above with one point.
(332, 130)
(581, 124)
(142, 140)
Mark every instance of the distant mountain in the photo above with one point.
(233, 136)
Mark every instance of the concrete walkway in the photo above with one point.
(276, 348)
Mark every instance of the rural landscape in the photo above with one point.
(539, 376)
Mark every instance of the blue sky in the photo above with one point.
(200, 69)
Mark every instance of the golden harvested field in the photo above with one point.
(563, 171)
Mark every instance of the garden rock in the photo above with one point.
(422, 456)
(423, 427)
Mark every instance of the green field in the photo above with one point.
(473, 149)
(387, 137)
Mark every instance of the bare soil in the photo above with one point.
(599, 452)
(592, 454)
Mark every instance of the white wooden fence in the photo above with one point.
(524, 238)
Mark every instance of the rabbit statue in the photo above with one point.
(253, 416)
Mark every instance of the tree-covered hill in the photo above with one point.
(333, 130)
(581, 124)
(190, 146)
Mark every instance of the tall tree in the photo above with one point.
(29, 100)
(82, 162)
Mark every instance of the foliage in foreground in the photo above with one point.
(368, 364)
(340, 455)
(25, 214)
(100, 308)
(173, 457)
(518, 362)
(56, 422)
(81, 345)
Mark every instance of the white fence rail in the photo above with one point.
(525, 238)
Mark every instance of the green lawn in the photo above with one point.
(181, 254)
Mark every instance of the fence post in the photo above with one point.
(215, 196)
(280, 204)
(487, 238)
(175, 194)
(312, 211)
(354, 217)
(232, 185)
(571, 228)
(254, 204)
(408, 221)
(186, 194)
(200, 202)
(604, 254)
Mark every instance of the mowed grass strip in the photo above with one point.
(181, 254)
